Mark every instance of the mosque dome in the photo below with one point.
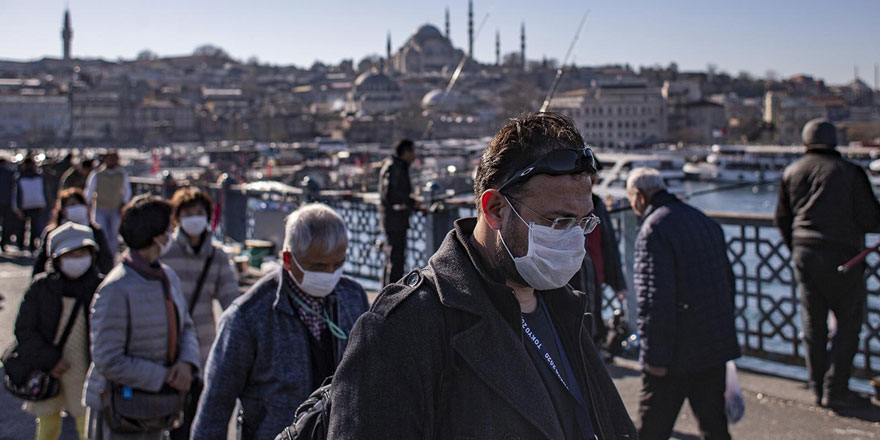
(375, 81)
(427, 32)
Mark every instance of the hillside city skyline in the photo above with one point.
(785, 49)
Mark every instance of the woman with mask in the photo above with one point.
(71, 207)
(144, 342)
(206, 273)
(57, 299)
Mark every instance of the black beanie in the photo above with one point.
(819, 133)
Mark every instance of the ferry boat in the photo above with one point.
(617, 166)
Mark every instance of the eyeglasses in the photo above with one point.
(556, 163)
(588, 223)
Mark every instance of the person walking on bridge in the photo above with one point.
(826, 205)
(685, 288)
(107, 191)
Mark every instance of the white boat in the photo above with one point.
(746, 164)
(617, 166)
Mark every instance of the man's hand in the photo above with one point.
(656, 371)
(621, 295)
(179, 376)
(60, 368)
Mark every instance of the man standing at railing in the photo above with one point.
(107, 191)
(395, 192)
(685, 287)
(826, 205)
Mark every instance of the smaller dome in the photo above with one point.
(433, 99)
(375, 81)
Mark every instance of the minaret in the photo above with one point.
(388, 50)
(470, 29)
(497, 48)
(522, 45)
(448, 36)
(66, 34)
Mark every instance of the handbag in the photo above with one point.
(28, 383)
(131, 410)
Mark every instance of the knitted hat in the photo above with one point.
(68, 237)
(819, 133)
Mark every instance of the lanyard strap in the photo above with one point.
(335, 330)
(544, 353)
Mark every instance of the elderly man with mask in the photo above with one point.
(487, 341)
(280, 340)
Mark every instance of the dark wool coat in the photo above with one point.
(685, 287)
(826, 200)
(442, 357)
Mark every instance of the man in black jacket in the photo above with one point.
(488, 341)
(685, 287)
(395, 192)
(826, 205)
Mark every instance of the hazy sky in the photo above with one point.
(822, 38)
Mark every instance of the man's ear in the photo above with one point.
(492, 203)
(285, 260)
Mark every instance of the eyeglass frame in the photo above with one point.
(590, 222)
(541, 166)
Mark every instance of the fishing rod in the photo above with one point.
(426, 135)
(561, 68)
(845, 267)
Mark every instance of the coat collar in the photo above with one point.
(493, 347)
(660, 199)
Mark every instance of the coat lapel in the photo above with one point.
(491, 348)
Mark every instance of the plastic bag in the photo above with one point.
(734, 404)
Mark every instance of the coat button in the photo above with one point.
(685, 306)
(413, 279)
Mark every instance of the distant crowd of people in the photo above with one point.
(499, 336)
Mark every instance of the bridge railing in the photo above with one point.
(768, 309)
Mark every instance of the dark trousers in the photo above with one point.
(189, 412)
(33, 218)
(661, 398)
(395, 255)
(822, 288)
(7, 223)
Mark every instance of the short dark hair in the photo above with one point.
(88, 163)
(403, 146)
(186, 197)
(63, 197)
(144, 218)
(521, 142)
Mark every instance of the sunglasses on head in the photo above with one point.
(556, 163)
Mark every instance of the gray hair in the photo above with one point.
(644, 180)
(314, 223)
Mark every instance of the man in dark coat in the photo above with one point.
(488, 341)
(826, 205)
(685, 287)
(395, 192)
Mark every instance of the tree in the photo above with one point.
(210, 50)
(147, 55)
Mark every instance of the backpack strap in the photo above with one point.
(201, 281)
(69, 326)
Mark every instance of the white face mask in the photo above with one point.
(77, 214)
(553, 257)
(194, 225)
(75, 267)
(318, 284)
(165, 247)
